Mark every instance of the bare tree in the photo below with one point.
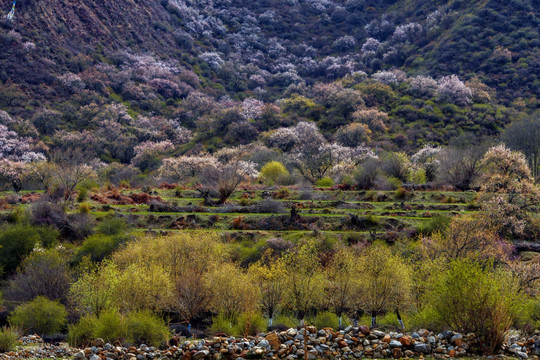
(524, 136)
(224, 180)
(191, 296)
(71, 169)
(459, 167)
(43, 273)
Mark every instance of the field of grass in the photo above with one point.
(264, 213)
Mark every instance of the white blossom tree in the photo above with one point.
(452, 89)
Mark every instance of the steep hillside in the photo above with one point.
(65, 64)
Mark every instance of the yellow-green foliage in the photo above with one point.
(273, 171)
(82, 333)
(244, 324)
(84, 208)
(325, 319)
(40, 316)
(268, 277)
(93, 292)
(231, 290)
(99, 246)
(304, 279)
(385, 282)
(152, 273)
(139, 327)
(144, 327)
(110, 327)
(325, 182)
(8, 339)
(250, 323)
(470, 296)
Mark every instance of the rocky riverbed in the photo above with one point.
(350, 343)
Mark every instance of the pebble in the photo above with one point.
(324, 344)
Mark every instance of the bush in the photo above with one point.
(8, 339)
(285, 319)
(474, 297)
(222, 323)
(112, 226)
(435, 224)
(110, 327)
(82, 333)
(268, 206)
(43, 273)
(326, 319)
(401, 193)
(99, 246)
(273, 171)
(325, 182)
(84, 208)
(83, 195)
(18, 241)
(143, 327)
(249, 324)
(40, 316)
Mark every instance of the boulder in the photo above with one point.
(364, 329)
(422, 348)
(99, 342)
(201, 354)
(456, 340)
(405, 340)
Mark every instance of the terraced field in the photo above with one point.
(368, 214)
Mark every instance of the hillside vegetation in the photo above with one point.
(243, 166)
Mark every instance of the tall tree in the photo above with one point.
(524, 136)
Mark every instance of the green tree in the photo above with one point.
(342, 272)
(268, 276)
(385, 281)
(18, 241)
(231, 290)
(304, 279)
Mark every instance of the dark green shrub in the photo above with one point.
(40, 316)
(83, 195)
(42, 273)
(144, 327)
(110, 327)
(8, 339)
(82, 333)
(99, 246)
(17, 241)
(326, 319)
(112, 226)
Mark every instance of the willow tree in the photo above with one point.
(384, 283)
(268, 276)
(304, 279)
(342, 284)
